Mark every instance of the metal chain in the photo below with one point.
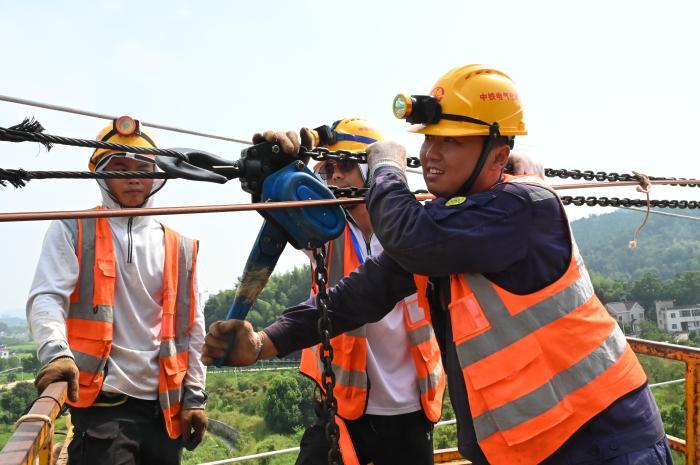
(322, 154)
(356, 192)
(329, 402)
(588, 175)
(577, 201)
(591, 201)
(19, 135)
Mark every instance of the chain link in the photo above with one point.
(591, 201)
(322, 154)
(577, 201)
(602, 176)
(358, 192)
(329, 402)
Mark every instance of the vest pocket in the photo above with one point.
(468, 318)
(175, 368)
(518, 408)
(107, 266)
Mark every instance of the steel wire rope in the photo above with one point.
(32, 131)
(92, 114)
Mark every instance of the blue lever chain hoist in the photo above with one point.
(272, 177)
(269, 176)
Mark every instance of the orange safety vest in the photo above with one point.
(90, 315)
(350, 351)
(537, 366)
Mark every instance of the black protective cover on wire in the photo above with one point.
(31, 130)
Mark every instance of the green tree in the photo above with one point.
(609, 289)
(666, 246)
(16, 401)
(31, 364)
(674, 420)
(646, 290)
(652, 332)
(287, 403)
(282, 290)
(685, 288)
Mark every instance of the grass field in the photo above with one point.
(236, 399)
(23, 347)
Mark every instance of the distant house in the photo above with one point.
(677, 319)
(629, 315)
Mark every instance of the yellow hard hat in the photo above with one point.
(353, 134)
(123, 130)
(467, 101)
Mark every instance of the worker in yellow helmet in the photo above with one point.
(388, 404)
(103, 321)
(386, 407)
(127, 131)
(537, 369)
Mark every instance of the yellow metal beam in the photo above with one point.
(33, 437)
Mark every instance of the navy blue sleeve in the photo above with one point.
(486, 233)
(364, 296)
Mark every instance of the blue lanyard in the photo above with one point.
(356, 246)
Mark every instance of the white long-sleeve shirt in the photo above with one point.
(390, 369)
(132, 367)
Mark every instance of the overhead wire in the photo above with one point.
(92, 114)
(24, 132)
(656, 212)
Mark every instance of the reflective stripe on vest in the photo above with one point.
(350, 349)
(90, 315)
(539, 366)
(89, 322)
(178, 316)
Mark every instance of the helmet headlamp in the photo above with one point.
(426, 109)
(327, 135)
(126, 126)
(417, 109)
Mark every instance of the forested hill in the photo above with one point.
(666, 246)
(665, 265)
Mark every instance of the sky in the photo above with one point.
(609, 86)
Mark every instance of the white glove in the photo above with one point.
(523, 159)
(385, 153)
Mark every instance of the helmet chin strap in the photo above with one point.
(488, 145)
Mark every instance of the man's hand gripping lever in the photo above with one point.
(271, 172)
(234, 342)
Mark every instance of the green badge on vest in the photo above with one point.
(455, 201)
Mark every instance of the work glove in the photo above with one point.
(246, 347)
(59, 369)
(523, 161)
(385, 153)
(194, 424)
(288, 141)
